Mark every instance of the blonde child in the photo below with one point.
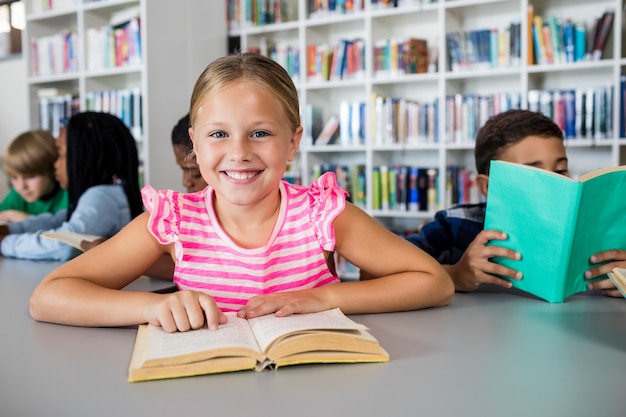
(29, 162)
(249, 242)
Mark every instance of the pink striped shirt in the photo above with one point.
(208, 260)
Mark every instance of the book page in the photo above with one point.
(618, 278)
(235, 333)
(268, 328)
(70, 238)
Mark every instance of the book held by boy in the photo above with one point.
(556, 223)
(259, 343)
(618, 278)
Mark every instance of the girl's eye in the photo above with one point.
(260, 134)
(218, 135)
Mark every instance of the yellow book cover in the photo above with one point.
(252, 344)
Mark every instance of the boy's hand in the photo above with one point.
(475, 268)
(614, 258)
(283, 304)
(184, 310)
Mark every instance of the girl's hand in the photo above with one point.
(184, 310)
(284, 304)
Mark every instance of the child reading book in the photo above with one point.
(456, 237)
(98, 165)
(249, 242)
(29, 162)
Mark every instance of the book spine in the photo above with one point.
(604, 28)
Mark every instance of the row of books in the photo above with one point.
(466, 113)
(54, 54)
(484, 48)
(345, 60)
(404, 188)
(393, 57)
(584, 113)
(56, 107)
(260, 12)
(412, 189)
(125, 104)
(117, 44)
(325, 8)
(556, 40)
(286, 55)
(399, 120)
(46, 5)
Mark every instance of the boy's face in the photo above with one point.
(540, 152)
(536, 151)
(192, 179)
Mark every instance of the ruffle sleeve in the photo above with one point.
(327, 200)
(164, 209)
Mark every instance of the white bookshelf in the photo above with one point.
(178, 39)
(432, 21)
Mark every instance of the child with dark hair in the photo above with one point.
(456, 237)
(185, 158)
(29, 162)
(98, 165)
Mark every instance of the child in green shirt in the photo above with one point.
(29, 163)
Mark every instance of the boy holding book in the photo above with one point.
(456, 237)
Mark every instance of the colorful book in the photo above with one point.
(556, 223)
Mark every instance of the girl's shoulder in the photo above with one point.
(154, 198)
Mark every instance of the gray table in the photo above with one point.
(487, 354)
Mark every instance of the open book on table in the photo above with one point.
(70, 238)
(258, 343)
(556, 223)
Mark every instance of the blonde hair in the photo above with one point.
(262, 71)
(31, 153)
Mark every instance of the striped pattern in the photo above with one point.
(209, 261)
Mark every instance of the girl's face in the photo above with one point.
(60, 166)
(243, 140)
(32, 187)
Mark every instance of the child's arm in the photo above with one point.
(13, 215)
(408, 278)
(86, 291)
(475, 268)
(614, 258)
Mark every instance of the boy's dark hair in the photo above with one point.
(180, 134)
(101, 150)
(509, 128)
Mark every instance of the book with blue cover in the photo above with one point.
(556, 223)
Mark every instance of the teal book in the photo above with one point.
(556, 223)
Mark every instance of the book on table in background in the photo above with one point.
(252, 344)
(556, 223)
(70, 238)
(618, 277)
